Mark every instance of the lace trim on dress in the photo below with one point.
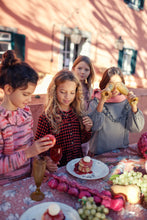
(123, 113)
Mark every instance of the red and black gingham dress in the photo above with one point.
(70, 138)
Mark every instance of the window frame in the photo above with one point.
(82, 49)
(136, 5)
(15, 42)
(121, 62)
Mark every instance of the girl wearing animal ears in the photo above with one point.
(63, 117)
(18, 81)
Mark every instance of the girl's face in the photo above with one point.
(115, 79)
(20, 97)
(66, 93)
(82, 71)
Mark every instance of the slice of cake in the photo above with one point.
(53, 213)
(85, 164)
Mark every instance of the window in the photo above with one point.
(69, 51)
(135, 4)
(12, 41)
(127, 61)
(66, 52)
(5, 43)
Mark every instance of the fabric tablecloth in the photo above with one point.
(15, 197)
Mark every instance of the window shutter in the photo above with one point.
(18, 44)
(120, 58)
(127, 1)
(85, 47)
(60, 60)
(141, 4)
(133, 61)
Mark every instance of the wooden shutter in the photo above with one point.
(120, 59)
(18, 44)
(133, 61)
(141, 4)
(127, 1)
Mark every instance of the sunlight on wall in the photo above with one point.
(43, 85)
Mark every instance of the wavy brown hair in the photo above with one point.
(108, 74)
(52, 107)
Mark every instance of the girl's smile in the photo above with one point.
(66, 92)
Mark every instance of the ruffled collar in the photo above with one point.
(16, 117)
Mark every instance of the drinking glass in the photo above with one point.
(56, 153)
(39, 167)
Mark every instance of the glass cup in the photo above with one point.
(56, 153)
(39, 167)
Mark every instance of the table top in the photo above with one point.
(15, 197)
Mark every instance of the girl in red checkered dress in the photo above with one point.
(64, 118)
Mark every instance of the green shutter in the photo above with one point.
(133, 61)
(127, 1)
(18, 44)
(141, 4)
(121, 52)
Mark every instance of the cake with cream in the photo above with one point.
(85, 164)
(53, 212)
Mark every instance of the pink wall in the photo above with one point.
(106, 20)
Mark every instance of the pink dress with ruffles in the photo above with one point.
(16, 135)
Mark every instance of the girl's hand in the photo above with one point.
(106, 94)
(50, 164)
(39, 146)
(133, 100)
(87, 122)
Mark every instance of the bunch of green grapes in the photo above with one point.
(133, 177)
(90, 211)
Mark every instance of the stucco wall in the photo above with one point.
(105, 20)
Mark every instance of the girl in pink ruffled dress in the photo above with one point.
(18, 81)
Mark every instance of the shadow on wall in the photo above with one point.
(38, 101)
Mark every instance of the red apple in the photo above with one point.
(52, 138)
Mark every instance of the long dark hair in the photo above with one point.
(15, 72)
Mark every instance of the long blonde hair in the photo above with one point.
(52, 107)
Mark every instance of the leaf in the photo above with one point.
(113, 176)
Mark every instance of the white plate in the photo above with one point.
(35, 212)
(99, 170)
